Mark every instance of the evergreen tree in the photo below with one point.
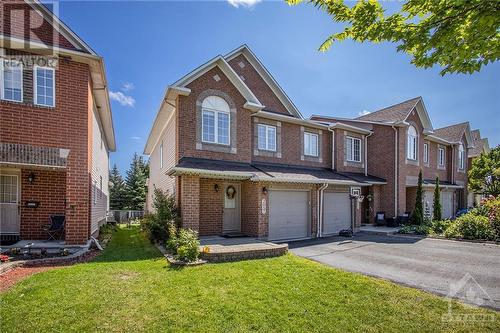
(136, 183)
(417, 216)
(117, 190)
(437, 202)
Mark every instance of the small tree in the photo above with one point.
(436, 214)
(417, 216)
(484, 175)
(136, 183)
(117, 189)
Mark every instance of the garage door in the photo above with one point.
(447, 204)
(337, 212)
(428, 204)
(288, 214)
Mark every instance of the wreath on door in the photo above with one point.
(230, 192)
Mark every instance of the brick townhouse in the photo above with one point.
(56, 128)
(481, 146)
(239, 157)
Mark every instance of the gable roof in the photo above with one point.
(481, 145)
(398, 113)
(454, 133)
(266, 76)
(61, 27)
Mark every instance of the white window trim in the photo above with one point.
(35, 92)
(352, 149)
(317, 144)
(461, 158)
(2, 83)
(266, 139)
(443, 149)
(161, 155)
(412, 154)
(216, 126)
(426, 153)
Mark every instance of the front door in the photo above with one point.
(231, 217)
(9, 204)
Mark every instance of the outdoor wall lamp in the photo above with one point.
(31, 178)
(264, 190)
(216, 187)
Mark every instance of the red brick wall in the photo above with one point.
(22, 21)
(190, 202)
(211, 207)
(253, 221)
(49, 189)
(186, 118)
(340, 157)
(257, 85)
(64, 126)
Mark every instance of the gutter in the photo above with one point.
(395, 170)
(319, 231)
(333, 147)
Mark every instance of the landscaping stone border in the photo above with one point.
(245, 254)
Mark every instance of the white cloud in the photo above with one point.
(136, 138)
(363, 113)
(121, 98)
(243, 3)
(127, 86)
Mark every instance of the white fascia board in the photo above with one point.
(266, 76)
(423, 115)
(336, 119)
(438, 140)
(208, 173)
(350, 128)
(288, 119)
(252, 106)
(303, 181)
(166, 108)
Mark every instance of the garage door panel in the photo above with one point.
(288, 214)
(447, 204)
(337, 212)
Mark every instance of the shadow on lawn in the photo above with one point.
(128, 244)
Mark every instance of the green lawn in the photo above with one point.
(131, 288)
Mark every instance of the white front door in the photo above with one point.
(231, 216)
(337, 212)
(9, 204)
(288, 214)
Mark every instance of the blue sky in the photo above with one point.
(150, 44)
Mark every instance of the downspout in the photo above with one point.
(333, 147)
(319, 231)
(366, 153)
(395, 170)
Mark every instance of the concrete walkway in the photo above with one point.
(430, 264)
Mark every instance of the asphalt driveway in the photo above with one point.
(471, 270)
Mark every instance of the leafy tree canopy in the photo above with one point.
(484, 175)
(461, 36)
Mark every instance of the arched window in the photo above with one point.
(215, 121)
(461, 157)
(411, 152)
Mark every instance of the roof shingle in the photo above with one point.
(452, 133)
(394, 113)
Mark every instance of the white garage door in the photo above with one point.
(447, 204)
(288, 214)
(337, 212)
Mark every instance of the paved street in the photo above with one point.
(429, 264)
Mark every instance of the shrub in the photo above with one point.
(470, 226)
(422, 229)
(184, 244)
(417, 216)
(439, 227)
(491, 206)
(158, 225)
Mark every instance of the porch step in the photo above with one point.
(374, 230)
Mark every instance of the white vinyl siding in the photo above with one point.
(411, 149)
(266, 137)
(11, 81)
(353, 149)
(44, 86)
(161, 155)
(311, 144)
(441, 156)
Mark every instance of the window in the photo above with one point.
(100, 187)
(12, 81)
(266, 137)
(44, 86)
(353, 149)
(161, 155)
(426, 153)
(461, 157)
(441, 156)
(310, 144)
(215, 120)
(411, 152)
